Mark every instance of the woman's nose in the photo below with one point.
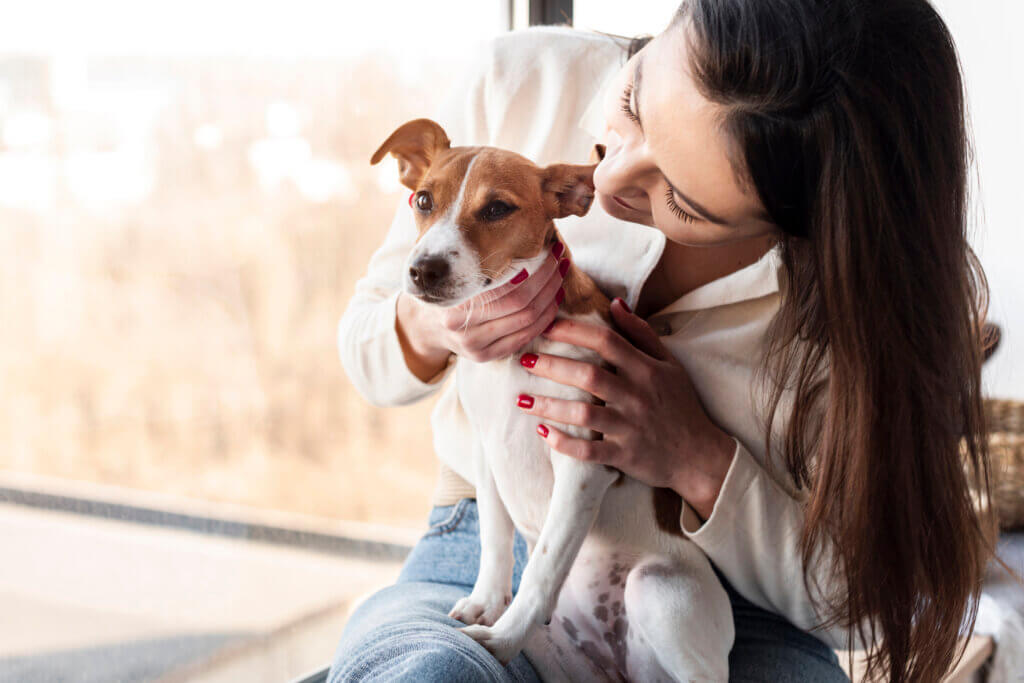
(613, 143)
(624, 165)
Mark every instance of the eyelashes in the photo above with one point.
(676, 209)
(627, 109)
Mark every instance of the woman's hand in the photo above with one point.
(653, 425)
(493, 324)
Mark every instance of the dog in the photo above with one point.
(612, 590)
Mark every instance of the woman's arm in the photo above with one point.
(369, 341)
(753, 536)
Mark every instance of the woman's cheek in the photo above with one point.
(697, 234)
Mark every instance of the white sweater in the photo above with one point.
(540, 92)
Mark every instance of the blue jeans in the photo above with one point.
(403, 632)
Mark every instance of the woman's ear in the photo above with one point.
(415, 144)
(568, 189)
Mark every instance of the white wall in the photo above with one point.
(988, 35)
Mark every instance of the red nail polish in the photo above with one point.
(525, 401)
(563, 267)
(522, 275)
(557, 248)
(624, 305)
(528, 360)
(542, 430)
(559, 297)
(550, 325)
(410, 199)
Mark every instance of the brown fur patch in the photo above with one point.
(442, 181)
(503, 176)
(668, 506)
(582, 294)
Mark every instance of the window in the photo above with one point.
(624, 19)
(187, 201)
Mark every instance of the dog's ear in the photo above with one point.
(415, 144)
(568, 189)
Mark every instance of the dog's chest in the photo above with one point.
(519, 459)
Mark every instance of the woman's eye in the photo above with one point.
(627, 104)
(496, 210)
(676, 209)
(424, 202)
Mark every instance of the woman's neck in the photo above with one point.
(683, 269)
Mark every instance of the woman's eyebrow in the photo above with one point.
(704, 213)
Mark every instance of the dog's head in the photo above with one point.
(481, 211)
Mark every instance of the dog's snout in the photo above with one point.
(428, 272)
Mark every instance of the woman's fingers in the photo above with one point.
(511, 343)
(580, 413)
(638, 330)
(608, 343)
(599, 452)
(526, 318)
(502, 301)
(589, 377)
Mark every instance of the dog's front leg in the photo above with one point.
(575, 499)
(492, 591)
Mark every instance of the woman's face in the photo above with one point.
(666, 163)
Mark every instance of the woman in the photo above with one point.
(816, 360)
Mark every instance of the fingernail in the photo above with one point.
(563, 267)
(559, 297)
(542, 430)
(525, 401)
(528, 360)
(522, 275)
(557, 248)
(550, 325)
(624, 305)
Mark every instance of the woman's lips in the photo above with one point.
(624, 203)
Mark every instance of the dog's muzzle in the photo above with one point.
(430, 274)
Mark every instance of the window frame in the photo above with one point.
(546, 12)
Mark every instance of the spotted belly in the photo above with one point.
(591, 631)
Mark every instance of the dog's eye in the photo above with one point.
(496, 210)
(424, 202)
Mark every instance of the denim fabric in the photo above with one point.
(403, 632)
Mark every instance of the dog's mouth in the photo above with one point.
(428, 298)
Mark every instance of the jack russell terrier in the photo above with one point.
(612, 589)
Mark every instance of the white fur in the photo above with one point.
(605, 595)
(624, 599)
(446, 240)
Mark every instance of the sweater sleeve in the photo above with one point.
(367, 338)
(753, 537)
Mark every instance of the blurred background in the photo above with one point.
(185, 205)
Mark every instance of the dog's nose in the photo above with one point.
(427, 272)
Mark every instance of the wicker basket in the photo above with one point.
(1006, 449)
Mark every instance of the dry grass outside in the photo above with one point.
(187, 344)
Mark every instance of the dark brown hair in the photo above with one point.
(847, 117)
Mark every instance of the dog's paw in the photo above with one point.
(503, 645)
(484, 610)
